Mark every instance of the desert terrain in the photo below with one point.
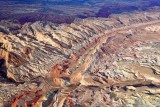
(91, 62)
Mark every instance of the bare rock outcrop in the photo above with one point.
(92, 62)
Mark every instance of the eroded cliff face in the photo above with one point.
(92, 62)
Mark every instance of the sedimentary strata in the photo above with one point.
(91, 62)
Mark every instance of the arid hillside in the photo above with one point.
(92, 62)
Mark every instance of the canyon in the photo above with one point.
(92, 62)
(66, 11)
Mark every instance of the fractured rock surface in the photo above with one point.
(91, 62)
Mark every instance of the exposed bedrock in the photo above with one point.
(92, 62)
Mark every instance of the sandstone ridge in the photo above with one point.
(75, 64)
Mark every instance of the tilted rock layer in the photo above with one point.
(92, 62)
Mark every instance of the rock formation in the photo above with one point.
(91, 62)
